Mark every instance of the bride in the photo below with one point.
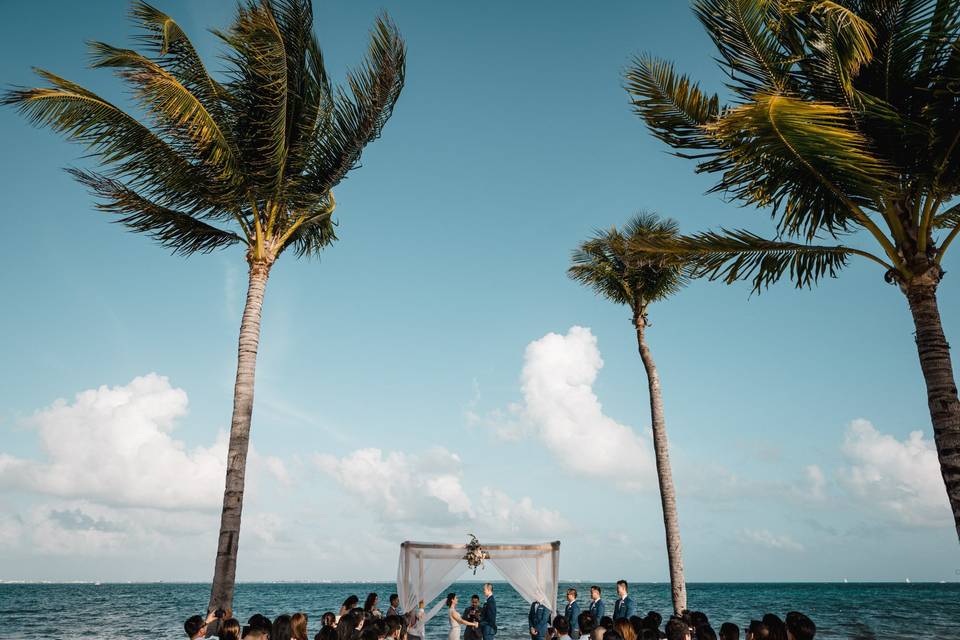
(455, 619)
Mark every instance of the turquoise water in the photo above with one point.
(850, 611)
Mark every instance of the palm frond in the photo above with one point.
(359, 117)
(674, 107)
(737, 255)
(949, 219)
(804, 159)
(117, 140)
(607, 264)
(177, 112)
(180, 232)
(743, 32)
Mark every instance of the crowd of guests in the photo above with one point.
(368, 622)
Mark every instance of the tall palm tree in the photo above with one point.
(250, 159)
(843, 119)
(607, 264)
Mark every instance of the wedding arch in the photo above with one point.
(427, 569)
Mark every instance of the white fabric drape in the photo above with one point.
(533, 574)
(425, 570)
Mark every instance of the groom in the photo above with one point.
(488, 614)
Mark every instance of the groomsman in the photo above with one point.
(623, 608)
(596, 604)
(539, 621)
(572, 612)
(394, 609)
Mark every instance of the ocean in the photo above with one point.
(884, 611)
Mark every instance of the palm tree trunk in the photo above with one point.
(934, 352)
(668, 495)
(225, 570)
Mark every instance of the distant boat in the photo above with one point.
(908, 581)
(845, 581)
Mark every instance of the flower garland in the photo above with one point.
(475, 554)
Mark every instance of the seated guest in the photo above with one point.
(258, 624)
(800, 627)
(606, 623)
(730, 631)
(282, 628)
(255, 634)
(705, 632)
(611, 634)
(678, 629)
(393, 625)
(328, 619)
(587, 624)
(652, 621)
(778, 630)
(370, 606)
(348, 605)
(196, 626)
(298, 624)
(562, 628)
(596, 604)
(327, 632)
(623, 607)
(624, 627)
(757, 631)
(229, 630)
(648, 634)
(347, 625)
(394, 608)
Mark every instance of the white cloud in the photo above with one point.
(114, 445)
(902, 478)
(427, 490)
(764, 538)
(816, 483)
(558, 376)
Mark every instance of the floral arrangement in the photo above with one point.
(475, 554)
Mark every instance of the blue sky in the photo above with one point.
(790, 413)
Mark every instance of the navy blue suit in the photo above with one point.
(571, 613)
(488, 619)
(596, 608)
(623, 608)
(539, 619)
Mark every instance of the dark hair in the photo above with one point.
(573, 591)
(351, 602)
(778, 630)
(229, 629)
(653, 620)
(606, 622)
(612, 634)
(370, 601)
(475, 596)
(596, 588)
(677, 629)
(698, 618)
(801, 626)
(637, 623)
(282, 628)
(561, 625)
(326, 633)
(624, 583)
(391, 624)
(348, 622)
(648, 634)
(759, 630)
(192, 625)
(730, 631)
(587, 623)
(450, 598)
(369, 633)
(328, 619)
(706, 632)
(260, 622)
(393, 597)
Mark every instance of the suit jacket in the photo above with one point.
(539, 619)
(488, 614)
(394, 611)
(596, 608)
(571, 613)
(623, 608)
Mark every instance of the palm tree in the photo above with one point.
(607, 264)
(843, 119)
(248, 160)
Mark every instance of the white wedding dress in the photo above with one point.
(454, 633)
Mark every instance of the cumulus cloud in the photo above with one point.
(427, 489)
(900, 477)
(558, 376)
(768, 540)
(115, 445)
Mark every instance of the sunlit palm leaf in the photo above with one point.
(737, 255)
(674, 107)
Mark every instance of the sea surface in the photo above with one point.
(859, 611)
